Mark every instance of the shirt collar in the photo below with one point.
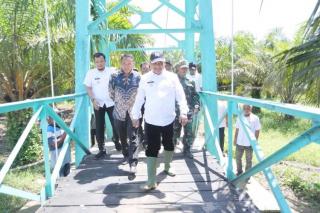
(102, 70)
(162, 73)
(122, 72)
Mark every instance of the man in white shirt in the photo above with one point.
(97, 83)
(159, 89)
(168, 66)
(241, 140)
(193, 75)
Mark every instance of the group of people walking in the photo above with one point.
(164, 101)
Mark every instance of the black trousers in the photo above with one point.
(221, 135)
(127, 133)
(100, 125)
(93, 136)
(157, 135)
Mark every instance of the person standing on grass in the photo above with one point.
(193, 101)
(159, 89)
(97, 85)
(224, 123)
(123, 87)
(241, 140)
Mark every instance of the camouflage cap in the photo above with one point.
(182, 64)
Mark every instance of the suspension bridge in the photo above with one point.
(205, 184)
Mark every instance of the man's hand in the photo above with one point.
(135, 123)
(183, 120)
(95, 104)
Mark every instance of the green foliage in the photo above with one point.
(244, 43)
(288, 88)
(251, 64)
(307, 190)
(223, 58)
(260, 70)
(277, 132)
(30, 179)
(274, 121)
(303, 57)
(10, 203)
(24, 71)
(119, 20)
(174, 56)
(31, 151)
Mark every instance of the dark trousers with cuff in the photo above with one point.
(221, 139)
(127, 133)
(157, 135)
(100, 125)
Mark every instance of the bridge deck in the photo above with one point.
(103, 186)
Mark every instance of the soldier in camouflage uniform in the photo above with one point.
(193, 103)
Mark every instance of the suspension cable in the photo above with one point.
(232, 47)
(51, 72)
(165, 35)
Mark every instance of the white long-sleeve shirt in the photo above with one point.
(159, 93)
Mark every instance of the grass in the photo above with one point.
(277, 132)
(30, 180)
(307, 186)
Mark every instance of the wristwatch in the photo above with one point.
(196, 106)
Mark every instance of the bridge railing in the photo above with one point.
(311, 135)
(41, 110)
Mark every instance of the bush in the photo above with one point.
(310, 191)
(276, 121)
(32, 149)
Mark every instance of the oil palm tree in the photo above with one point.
(305, 57)
(120, 20)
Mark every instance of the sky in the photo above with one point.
(285, 14)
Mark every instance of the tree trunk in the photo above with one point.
(256, 93)
(289, 117)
